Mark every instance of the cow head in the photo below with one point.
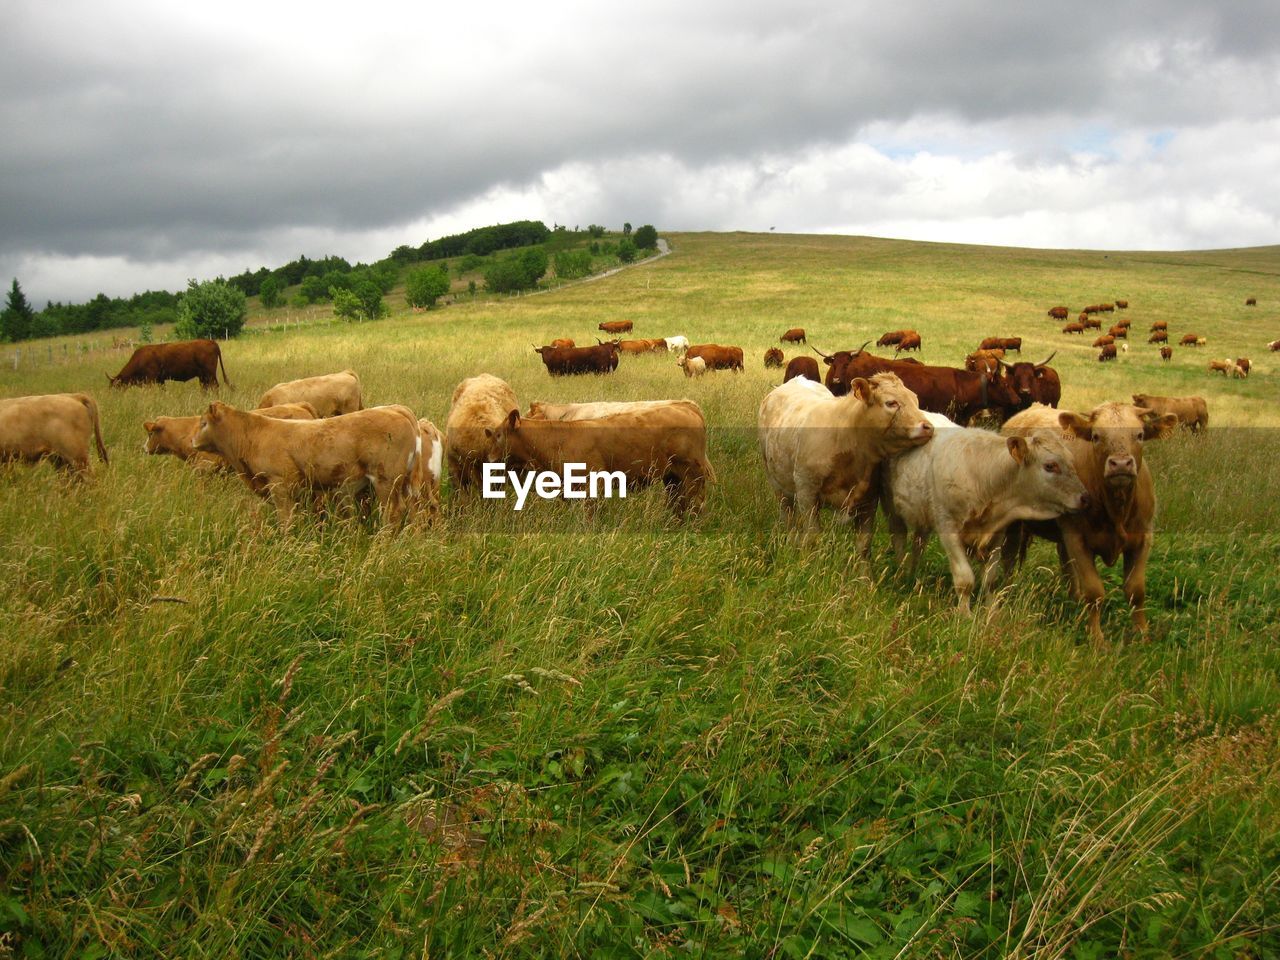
(893, 412)
(1116, 433)
(210, 420)
(1024, 379)
(1048, 482)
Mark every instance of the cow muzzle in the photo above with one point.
(1121, 468)
(922, 431)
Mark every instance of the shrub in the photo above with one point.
(646, 237)
(269, 292)
(211, 309)
(626, 250)
(572, 264)
(521, 272)
(424, 287)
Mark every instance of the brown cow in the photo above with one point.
(1192, 412)
(1107, 307)
(1059, 313)
(1092, 322)
(1124, 322)
(364, 451)
(1166, 353)
(1242, 367)
(891, 338)
(666, 443)
(563, 342)
(1001, 343)
(1189, 340)
(1093, 308)
(1251, 302)
(717, 357)
(54, 427)
(1108, 352)
(615, 326)
(1106, 446)
(1122, 304)
(1273, 346)
(1031, 383)
(986, 361)
(1104, 340)
(1160, 325)
(332, 394)
(479, 405)
(182, 361)
(1119, 332)
(806, 367)
(1160, 336)
(909, 342)
(567, 361)
(794, 335)
(650, 345)
(175, 435)
(773, 357)
(1073, 328)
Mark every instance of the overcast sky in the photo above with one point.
(147, 142)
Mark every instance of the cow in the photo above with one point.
(1119, 332)
(1124, 322)
(1002, 343)
(717, 357)
(650, 345)
(1223, 367)
(1093, 308)
(1201, 341)
(616, 326)
(332, 394)
(773, 357)
(1159, 336)
(1122, 304)
(365, 451)
(821, 450)
(1166, 353)
(909, 342)
(1108, 352)
(891, 338)
(806, 367)
(175, 435)
(693, 366)
(1192, 412)
(1273, 346)
(1091, 322)
(54, 426)
(563, 342)
(569, 361)
(1105, 340)
(1160, 325)
(1189, 340)
(1059, 313)
(1106, 447)
(1251, 302)
(968, 485)
(479, 404)
(543, 410)
(678, 346)
(1073, 328)
(1242, 367)
(1032, 383)
(1107, 307)
(181, 361)
(428, 471)
(794, 335)
(986, 361)
(666, 443)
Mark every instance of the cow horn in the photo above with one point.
(825, 356)
(1003, 364)
(861, 348)
(1047, 359)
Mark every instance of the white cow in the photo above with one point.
(678, 345)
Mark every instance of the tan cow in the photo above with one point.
(1106, 447)
(541, 410)
(175, 435)
(56, 427)
(648, 345)
(480, 404)
(282, 460)
(1192, 412)
(331, 394)
(666, 443)
(692, 366)
(427, 472)
(821, 450)
(1223, 367)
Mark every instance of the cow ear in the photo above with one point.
(149, 425)
(1017, 449)
(1072, 423)
(1157, 426)
(861, 388)
(513, 420)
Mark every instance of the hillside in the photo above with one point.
(592, 732)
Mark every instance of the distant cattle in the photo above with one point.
(1201, 341)
(1242, 367)
(1122, 304)
(892, 338)
(677, 345)
(182, 361)
(794, 335)
(1192, 412)
(615, 326)
(1073, 328)
(1002, 343)
(1119, 332)
(1091, 322)
(1059, 313)
(479, 406)
(1107, 307)
(1273, 346)
(1159, 336)
(1104, 340)
(909, 342)
(806, 367)
(563, 342)
(55, 426)
(1251, 302)
(824, 451)
(650, 345)
(175, 436)
(1189, 340)
(332, 394)
(569, 361)
(1108, 352)
(717, 357)
(1166, 353)
(692, 366)
(1093, 308)
(773, 357)
(1124, 322)
(1160, 325)
(1223, 367)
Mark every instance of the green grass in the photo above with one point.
(603, 733)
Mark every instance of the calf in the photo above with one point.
(1273, 346)
(806, 367)
(56, 427)
(1242, 367)
(1122, 304)
(1192, 412)
(692, 366)
(1251, 302)
(968, 485)
(650, 345)
(679, 346)
(479, 405)
(773, 357)
(331, 394)
(176, 436)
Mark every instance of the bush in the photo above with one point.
(424, 287)
(269, 292)
(595, 230)
(517, 273)
(626, 250)
(572, 264)
(313, 289)
(469, 263)
(211, 309)
(362, 302)
(646, 238)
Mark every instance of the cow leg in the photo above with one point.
(284, 497)
(898, 534)
(806, 509)
(1135, 582)
(1088, 584)
(864, 518)
(962, 578)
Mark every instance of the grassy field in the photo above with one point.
(572, 732)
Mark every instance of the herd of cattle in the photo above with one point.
(887, 434)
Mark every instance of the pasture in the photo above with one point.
(597, 731)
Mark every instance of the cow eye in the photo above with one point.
(1052, 467)
(891, 404)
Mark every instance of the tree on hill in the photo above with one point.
(17, 319)
(424, 287)
(626, 249)
(646, 238)
(269, 292)
(211, 309)
(520, 272)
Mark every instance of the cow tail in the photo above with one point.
(92, 407)
(223, 367)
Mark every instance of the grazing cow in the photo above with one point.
(666, 443)
(678, 346)
(563, 342)
(331, 394)
(773, 357)
(1124, 322)
(1159, 336)
(542, 410)
(1106, 447)
(182, 361)
(615, 326)
(1192, 412)
(821, 450)
(175, 436)
(693, 366)
(1201, 341)
(891, 338)
(1242, 367)
(55, 426)
(428, 471)
(910, 342)
(794, 335)
(1223, 367)
(1273, 346)
(1073, 328)
(568, 361)
(1189, 340)
(986, 361)
(968, 485)
(1107, 307)
(1119, 332)
(1166, 353)
(1251, 302)
(1160, 325)
(1001, 343)
(282, 460)
(806, 367)
(1122, 304)
(1093, 308)
(1091, 322)
(1104, 340)
(1032, 383)
(716, 356)
(651, 345)
(1108, 352)
(1059, 313)
(479, 405)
